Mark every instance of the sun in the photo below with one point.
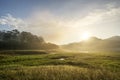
(86, 35)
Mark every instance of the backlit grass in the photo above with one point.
(60, 66)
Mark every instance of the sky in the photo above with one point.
(62, 21)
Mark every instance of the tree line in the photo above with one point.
(16, 40)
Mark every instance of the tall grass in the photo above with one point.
(61, 72)
(74, 66)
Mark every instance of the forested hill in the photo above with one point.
(16, 40)
(95, 44)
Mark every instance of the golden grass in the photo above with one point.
(60, 72)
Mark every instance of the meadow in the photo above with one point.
(53, 65)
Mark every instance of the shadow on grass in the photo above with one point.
(22, 52)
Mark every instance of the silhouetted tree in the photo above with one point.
(23, 40)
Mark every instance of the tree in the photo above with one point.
(23, 40)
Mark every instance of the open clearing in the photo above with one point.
(41, 65)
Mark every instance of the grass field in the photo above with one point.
(41, 65)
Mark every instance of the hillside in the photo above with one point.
(16, 40)
(95, 44)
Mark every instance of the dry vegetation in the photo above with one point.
(60, 66)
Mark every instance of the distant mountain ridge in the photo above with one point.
(114, 38)
(95, 44)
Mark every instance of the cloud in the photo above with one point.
(45, 23)
(60, 29)
(109, 14)
(12, 21)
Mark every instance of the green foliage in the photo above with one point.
(15, 40)
(41, 65)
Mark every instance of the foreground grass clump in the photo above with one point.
(61, 72)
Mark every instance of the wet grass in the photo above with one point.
(59, 66)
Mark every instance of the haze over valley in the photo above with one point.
(59, 39)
